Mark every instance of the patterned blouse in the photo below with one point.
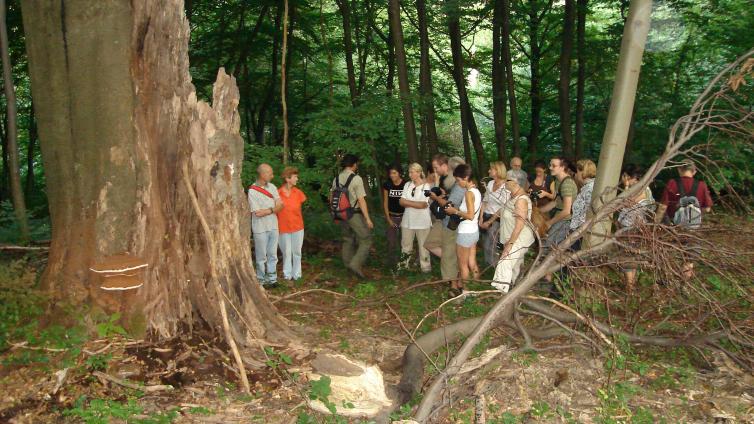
(581, 204)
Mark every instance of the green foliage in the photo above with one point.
(19, 304)
(10, 232)
(320, 390)
(101, 411)
(98, 362)
(276, 359)
(110, 327)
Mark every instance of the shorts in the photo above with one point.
(467, 239)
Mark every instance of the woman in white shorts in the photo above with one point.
(468, 228)
(416, 221)
(516, 231)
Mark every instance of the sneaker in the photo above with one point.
(502, 287)
(272, 285)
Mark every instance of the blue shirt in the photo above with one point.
(456, 196)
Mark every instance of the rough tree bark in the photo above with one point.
(621, 109)
(409, 127)
(270, 95)
(535, 92)
(11, 131)
(345, 12)
(498, 80)
(505, 33)
(564, 82)
(581, 11)
(390, 78)
(120, 185)
(30, 152)
(284, 82)
(459, 77)
(429, 128)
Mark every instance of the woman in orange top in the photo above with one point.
(291, 224)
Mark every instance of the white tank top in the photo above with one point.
(471, 225)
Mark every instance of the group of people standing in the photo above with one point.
(441, 211)
(276, 221)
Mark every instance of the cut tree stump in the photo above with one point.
(352, 382)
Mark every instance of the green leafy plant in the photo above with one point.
(98, 362)
(276, 359)
(104, 411)
(110, 327)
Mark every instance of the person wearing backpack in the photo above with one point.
(265, 203)
(684, 202)
(560, 208)
(349, 206)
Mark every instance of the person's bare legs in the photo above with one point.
(473, 266)
(463, 266)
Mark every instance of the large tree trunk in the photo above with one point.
(506, 47)
(409, 127)
(17, 194)
(345, 12)
(535, 92)
(429, 129)
(564, 83)
(267, 101)
(635, 33)
(459, 77)
(156, 176)
(284, 82)
(581, 10)
(498, 81)
(30, 152)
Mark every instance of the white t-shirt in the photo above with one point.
(471, 225)
(413, 218)
(494, 200)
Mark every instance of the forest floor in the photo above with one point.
(61, 373)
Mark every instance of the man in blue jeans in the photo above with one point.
(264, 202)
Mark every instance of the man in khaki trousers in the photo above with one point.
(357, 231)
(442, 241)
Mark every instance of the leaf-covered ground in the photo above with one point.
(52, 372)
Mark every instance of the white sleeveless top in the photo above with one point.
(508, 222)
(471, 225)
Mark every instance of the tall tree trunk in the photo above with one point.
(465, 141)
(4, 177)
(498, 81)
(267, 101)
(506, 47)
(284, 82)
(409, 127)
(535, 92)
(323, 34)
(427, 101)
(30, 152)
(459, 77)
(622, 101)
(154, 180)
(390, 78)
(17, 194)
(581, 11)
(564, 82)
(345, 12)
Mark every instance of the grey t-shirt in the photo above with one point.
(260, 201)
(456, 196)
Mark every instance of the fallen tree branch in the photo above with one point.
(134, 386)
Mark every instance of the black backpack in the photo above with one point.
(340, 206)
